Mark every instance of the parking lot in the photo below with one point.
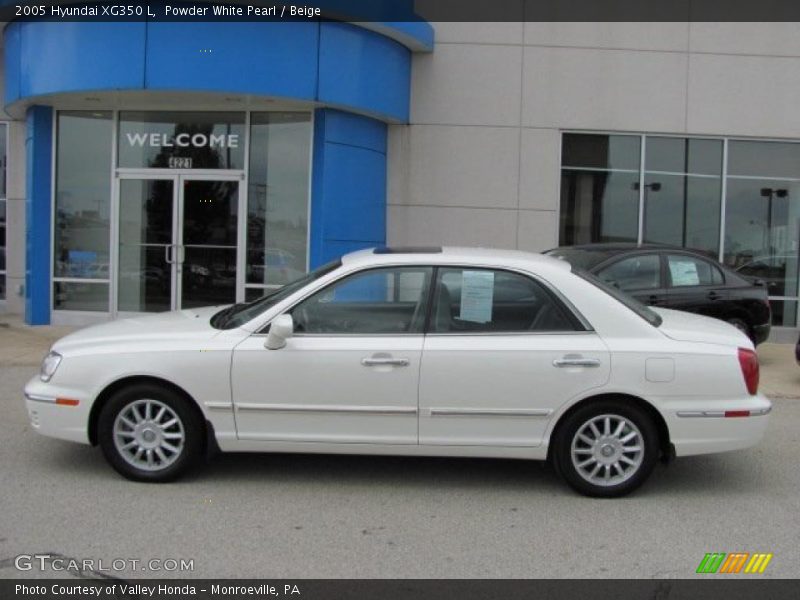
(303, 516)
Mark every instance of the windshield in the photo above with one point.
(239, 314)
(632, 303)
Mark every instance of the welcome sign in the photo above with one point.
(204, 140)
(183, 140)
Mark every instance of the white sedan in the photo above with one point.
(427, 351)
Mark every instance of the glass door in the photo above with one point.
(207, 245)
(146, 234)
(177, 242)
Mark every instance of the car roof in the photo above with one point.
(489, 257)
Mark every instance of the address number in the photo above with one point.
(180, 162)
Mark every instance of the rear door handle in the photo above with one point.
(576, 361)
(713, 296)
(384, 361)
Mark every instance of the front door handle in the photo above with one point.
(575, 361)
(713, 295)
(384, 361)
(168, 257)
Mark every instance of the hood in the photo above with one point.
(160, 326)
(689, 327)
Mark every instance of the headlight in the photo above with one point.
(49, 366)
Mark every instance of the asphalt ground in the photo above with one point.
(305, 516)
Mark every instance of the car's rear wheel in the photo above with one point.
(150, 433)
(606, 449)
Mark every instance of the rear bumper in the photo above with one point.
(761, 333)
(703, 428)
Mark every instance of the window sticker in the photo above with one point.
(684, 272)
(477, 296)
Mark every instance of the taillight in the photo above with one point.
(748, 361)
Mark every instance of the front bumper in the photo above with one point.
(56, 412)
(697, 428)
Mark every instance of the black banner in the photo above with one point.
(406, 10)
(712, 588)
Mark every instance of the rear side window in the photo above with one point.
(492, 301)
(687, 271)
(642, 272)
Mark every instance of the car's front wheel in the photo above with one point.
(606, 449)
(150, 433)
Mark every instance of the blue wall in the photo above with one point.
(348, 196)
(360, 78)
(38, 147)
(332, 63)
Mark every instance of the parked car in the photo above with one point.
(436, 352)
(797, 352)
(677, 278)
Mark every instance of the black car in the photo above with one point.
(677, 278)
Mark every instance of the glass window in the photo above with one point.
(3, 208)
(82, 208)
(483, 301)
(609, 152)
(683, 192)
(599, 189)
(762, 220)
(684, 271)
(2, 249)
(3, 158)
(764, 159)
(381, 301)
(181, 140)
(277, 198)
(634, 273)
(90, 296)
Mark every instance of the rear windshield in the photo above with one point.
(580, 258)
(632, 303)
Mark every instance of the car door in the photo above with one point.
(696, 285)
(501, 355)
(349, 373)
(639, 275)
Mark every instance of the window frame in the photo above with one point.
(427, 298)
(579, 322)
(582, 325)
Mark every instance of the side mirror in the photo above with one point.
(280, 330)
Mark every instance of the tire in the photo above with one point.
(742, 326)
(573, 455)
(150, 433)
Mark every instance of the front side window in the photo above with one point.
(380, 301)
(686, 271)
(488, 301)
(634, 273)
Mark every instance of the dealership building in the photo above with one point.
(149, 166)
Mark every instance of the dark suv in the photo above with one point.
(677, 278)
